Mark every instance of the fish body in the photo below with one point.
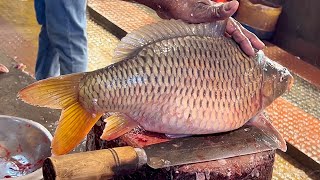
(187, 85)
(170, 77)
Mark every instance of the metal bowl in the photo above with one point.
(24, 145)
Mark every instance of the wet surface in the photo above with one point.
(14, 166)
(19, 31)
(24, 145)
(10, 84)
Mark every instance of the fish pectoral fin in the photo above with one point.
(117, 125)
(261, 122)
(74, 124)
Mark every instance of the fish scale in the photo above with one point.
(155, 65)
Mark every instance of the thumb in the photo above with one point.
(208, 11)
(224, 10)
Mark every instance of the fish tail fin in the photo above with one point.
(56, 93)
(74, 124)
(62, 93)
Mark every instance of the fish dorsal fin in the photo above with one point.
(165, 29)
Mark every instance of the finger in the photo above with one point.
(225, 10)
(207, 11)
(235, 31)
(255, 41)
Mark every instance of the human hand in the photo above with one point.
(199, 11)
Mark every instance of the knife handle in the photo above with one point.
(97, 164)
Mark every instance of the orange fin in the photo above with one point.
(74, 124)
(117, 125)
(62, 93)
(56, 93)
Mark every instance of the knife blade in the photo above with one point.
(109, 162)
(246, 140)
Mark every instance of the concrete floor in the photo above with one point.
(10, 84)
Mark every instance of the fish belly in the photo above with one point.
(185, 114)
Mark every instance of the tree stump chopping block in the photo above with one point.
(253, 166)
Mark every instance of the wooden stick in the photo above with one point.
(92, 164)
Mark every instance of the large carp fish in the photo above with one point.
(169, 77)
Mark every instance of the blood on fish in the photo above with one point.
(24, 166)
(141, 139)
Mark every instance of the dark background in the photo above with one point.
(298, 29)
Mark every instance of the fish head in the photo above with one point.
(276, 81)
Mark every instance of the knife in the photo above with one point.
(120, 160)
